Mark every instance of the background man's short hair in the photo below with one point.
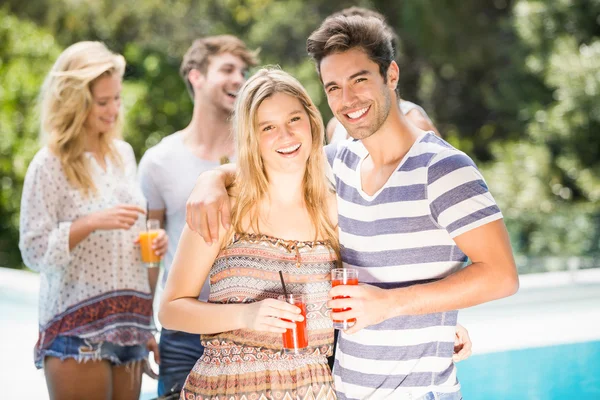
(200, 52)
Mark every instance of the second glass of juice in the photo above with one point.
(295, 341)
(149, 257)
(343, 276)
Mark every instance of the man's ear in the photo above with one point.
(195, 77)
(393, 75)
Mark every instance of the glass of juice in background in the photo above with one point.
(146, 237)
(343, 276)
(295, 341)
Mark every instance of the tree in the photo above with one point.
(26, 54)
(513, 83)
(549, 185)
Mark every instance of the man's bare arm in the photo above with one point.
(492, 275)
(209, 201)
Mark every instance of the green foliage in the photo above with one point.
(572, 122)
(514, 83)
(539, 216)
(26, 54)
(548, 182)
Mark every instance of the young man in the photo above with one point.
(412, 209)
(213, 69)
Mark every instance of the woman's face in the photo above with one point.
(106, 104)
(285, 135)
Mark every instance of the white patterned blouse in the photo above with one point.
(99, 290)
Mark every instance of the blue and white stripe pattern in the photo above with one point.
(403, 235)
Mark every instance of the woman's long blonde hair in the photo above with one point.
(251, 181)
(66, 101)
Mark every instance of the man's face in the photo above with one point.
(356, 92)
(225, 74)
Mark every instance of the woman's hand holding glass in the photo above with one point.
(160, 243)
(267, 316)
(122, 216)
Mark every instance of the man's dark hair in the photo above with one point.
(338, 34)
(366, 12)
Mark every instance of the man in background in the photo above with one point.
(213, 69)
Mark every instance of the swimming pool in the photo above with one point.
(543, 343)
(569, 371)
(19, 379)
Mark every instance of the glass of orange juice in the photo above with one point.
(149, 257)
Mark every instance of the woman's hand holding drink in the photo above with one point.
(286, 315)
(295, 340)
(122, 216)
(271, 315)
(153, 243)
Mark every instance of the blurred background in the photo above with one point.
(515, 84)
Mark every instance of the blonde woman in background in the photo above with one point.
(81, 213)
(284, 218)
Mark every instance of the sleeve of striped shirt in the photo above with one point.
(330, 152)
(459, 199)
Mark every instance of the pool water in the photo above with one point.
(517, 341)
(569, 371)
(18, 335)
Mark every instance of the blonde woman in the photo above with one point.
(80, 216)
(283, 219)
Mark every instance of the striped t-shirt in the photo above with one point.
(403, 235)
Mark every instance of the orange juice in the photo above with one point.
(148, 254)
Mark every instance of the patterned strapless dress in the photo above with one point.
(250, 365)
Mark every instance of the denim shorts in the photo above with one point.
(82, 350)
